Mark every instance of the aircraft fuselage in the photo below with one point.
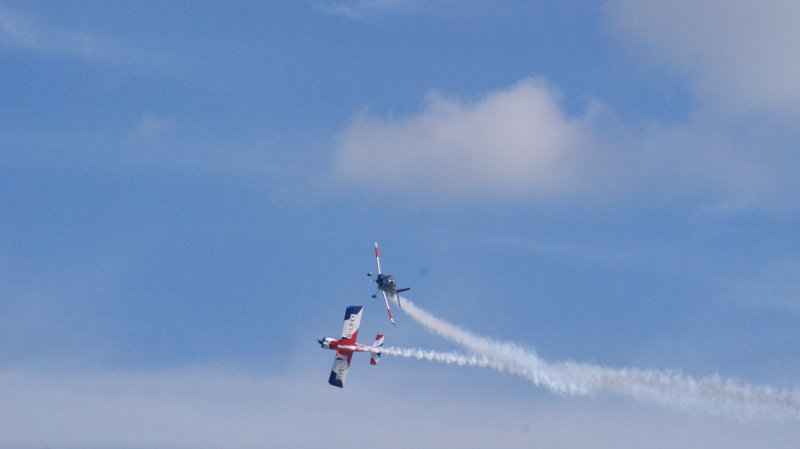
(330, 343)
(386, 283)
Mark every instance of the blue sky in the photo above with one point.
(190, 192)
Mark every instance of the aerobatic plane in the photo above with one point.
(346, 346)
(386, 285)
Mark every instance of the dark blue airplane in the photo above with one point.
(386, 285)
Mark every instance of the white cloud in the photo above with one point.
(514, 142)
(739, 54)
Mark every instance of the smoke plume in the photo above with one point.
(712, 394)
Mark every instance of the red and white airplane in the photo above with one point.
(346, 346)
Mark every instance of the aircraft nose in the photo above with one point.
(320, 342)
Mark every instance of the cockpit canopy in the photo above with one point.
(385, 280)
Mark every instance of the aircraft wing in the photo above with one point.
(388, 309)
(352, 319)
(378, 257)
(339, 370)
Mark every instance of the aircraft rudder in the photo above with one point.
(375, 356)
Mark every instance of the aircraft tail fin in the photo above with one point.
(376, 355)
(399, 304)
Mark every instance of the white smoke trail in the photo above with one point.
(711, 394)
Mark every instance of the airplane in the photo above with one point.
(386, 285)
(346, 346)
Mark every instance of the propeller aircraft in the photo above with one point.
(346, 346)
(386, 286)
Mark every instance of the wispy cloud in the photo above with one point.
(367, 9)
(739, 55)
(21, 30)
(28, 32)
(739, 59)
(151, 127)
